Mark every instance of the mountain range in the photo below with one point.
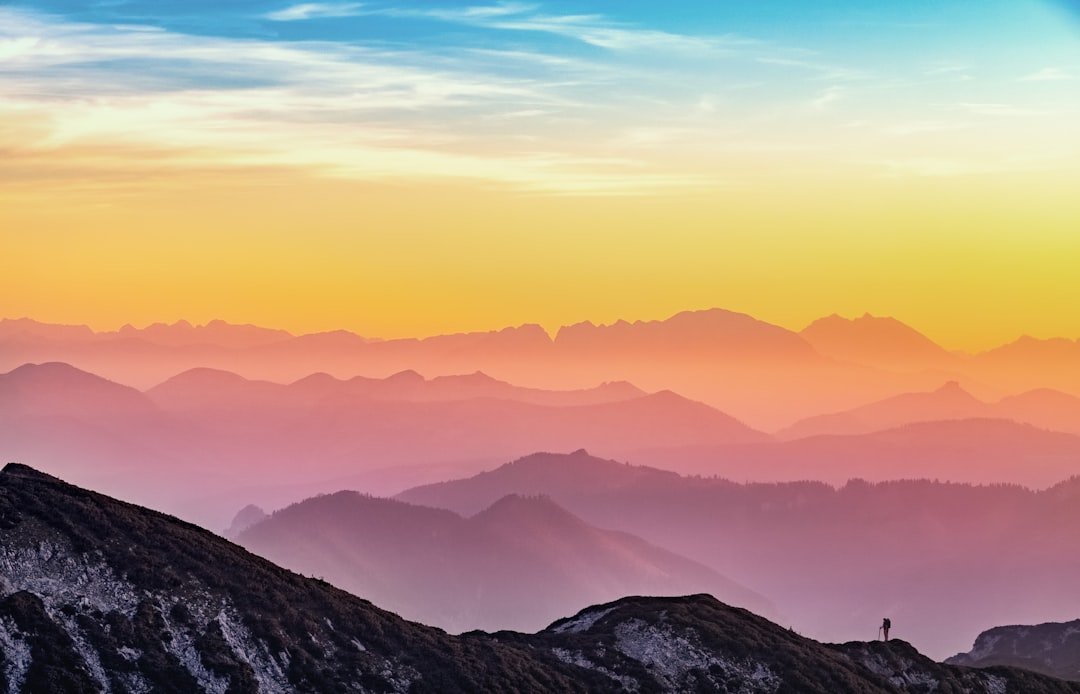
(973, 451)
(519, 564)
(205, 442)
(829, 468)
(98, 595)
(763, 374)
(1045, 408)
(834, 560)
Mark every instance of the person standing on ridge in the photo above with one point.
(886, 624)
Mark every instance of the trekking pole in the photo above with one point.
(879, 633)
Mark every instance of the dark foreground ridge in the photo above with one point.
(1052, 648)
(99, 595)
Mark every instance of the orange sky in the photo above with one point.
(394, 261)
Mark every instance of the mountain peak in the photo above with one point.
(57, 387)
(873, 340)
(698, 332)
(406, 376)
(244, 519)
(24, 471)
(52, 369)
(527, 508)
(203, 375)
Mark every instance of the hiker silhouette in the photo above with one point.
(886, 624)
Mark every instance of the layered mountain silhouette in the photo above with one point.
(99, 595)
(834, 560)
(204, 388)
(880, 342)
(519, 564)
(1044, 408)
(97, 432)
(950, 401)
(763, 374)
(267, 443)
(56, 389)
(976, 451)
(178, 334)
(206, 441)
(1052, 649)
(1030, 362)
(228, 415)
(689, 333)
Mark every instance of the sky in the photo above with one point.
(415, 168)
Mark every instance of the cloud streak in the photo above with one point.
(531, 100)
(315, 10)
(332, 108)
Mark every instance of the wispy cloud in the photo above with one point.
(511, 94)
(827, 97)
(952, 72)
(593, 29)
(924, 128)
(332, 109)
(822, 70)
(1052, 74)
(315, 10)
(950, 69)
(991, 109)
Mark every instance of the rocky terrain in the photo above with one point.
(1052, 648)
(97, 595)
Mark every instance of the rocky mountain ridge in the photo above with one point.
(97, 595)
(1052, 648)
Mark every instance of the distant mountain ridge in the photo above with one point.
(56, 388)
(98, 595)
(830, 558)
(875, 341)
(519, 564)
(979, 450)
(688, 332)
(1046, 408)
(204, 387)
(236, 433)
(764, 374)
(178, 334)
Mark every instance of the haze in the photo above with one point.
(490, 312)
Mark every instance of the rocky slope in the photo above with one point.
(1052, 648)
(101, 596)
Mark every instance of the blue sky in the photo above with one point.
(534, 93)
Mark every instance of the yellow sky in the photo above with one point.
(507, 165)
(971, 261)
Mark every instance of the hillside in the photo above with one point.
(1052, 648)
(98, 595)
(519, 564)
